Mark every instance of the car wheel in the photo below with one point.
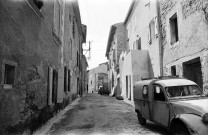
(179, 129)
(141, 120)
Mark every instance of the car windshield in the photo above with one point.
(183, 91)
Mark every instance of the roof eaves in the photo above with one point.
(129, 11)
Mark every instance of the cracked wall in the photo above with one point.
(26, 40)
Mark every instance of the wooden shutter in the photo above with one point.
(149, 33)
(50, 84)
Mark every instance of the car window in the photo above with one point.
(178, 91)
(158, 93)
(145, 92)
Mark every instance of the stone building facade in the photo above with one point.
(40, 56)
(93, 83)
(184, 26)
(116, 44)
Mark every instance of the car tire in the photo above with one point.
(179, 129)
(141, 120)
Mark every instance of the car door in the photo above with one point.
(160, 106)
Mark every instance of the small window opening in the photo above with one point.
(174, 28)
(173, 70)
(9, 74)
(65, 78)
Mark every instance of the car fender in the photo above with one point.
(193, 123)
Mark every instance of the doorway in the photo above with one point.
(192, 71)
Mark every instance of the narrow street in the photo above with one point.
(96, 114)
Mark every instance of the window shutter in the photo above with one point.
(156, 27)
(149, 33)
(60, 90)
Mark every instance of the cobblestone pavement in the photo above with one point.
(103, 115)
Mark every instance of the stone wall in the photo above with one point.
(192, 32)
(26, 39)
(121, 35)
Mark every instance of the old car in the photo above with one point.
(177, 104)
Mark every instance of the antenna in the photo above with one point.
(88, 50)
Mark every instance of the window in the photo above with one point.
(112, 80)
(151, 34)
(52, 85)
(91, 82)
(8, 74)
(180, 91)
(158, 93)
(173, 29)
(65, 78)
(57, 18)
(73, 29)
(138, 44)
(145, 92)
(156, 27)
(173, 70)
(71, 48)
(77, 59)
(70, 17)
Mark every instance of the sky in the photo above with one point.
(99, 15)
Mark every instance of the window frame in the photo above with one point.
(7, 62)
(173, 70)
(173, 38)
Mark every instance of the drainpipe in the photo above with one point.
(160, 37)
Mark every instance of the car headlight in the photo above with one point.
(205, 118)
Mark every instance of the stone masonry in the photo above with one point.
(192, 33)
(29, 43)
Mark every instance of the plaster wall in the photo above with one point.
(138, 27)
(135, 66)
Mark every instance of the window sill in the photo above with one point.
(7, 86)
(174, 44)
(34, 8)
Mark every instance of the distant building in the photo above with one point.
(116, 44)
(94, 75)
(40, 56)
(185, 43)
